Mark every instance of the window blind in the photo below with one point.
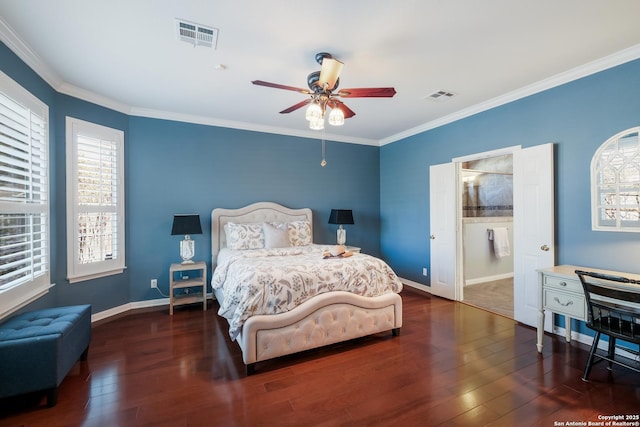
(24, 188)
(97, 197)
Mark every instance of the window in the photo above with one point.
(95, 200)
(24, 197)
(615, 183)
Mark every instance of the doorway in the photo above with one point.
(487, 233)
(533, 226)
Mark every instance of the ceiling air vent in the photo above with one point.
(441, 95)
(196, 34)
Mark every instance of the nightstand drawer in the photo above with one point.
(570, 304)
(563, 284)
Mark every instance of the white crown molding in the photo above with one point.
(24, 52)
(593, 67)
(178, 117)
(94, 98)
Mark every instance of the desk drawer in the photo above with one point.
(563, 284)
(573, 305)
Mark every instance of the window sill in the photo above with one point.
(23, 300)
(84, 277)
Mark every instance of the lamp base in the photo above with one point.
(341, 236)
(187, 250)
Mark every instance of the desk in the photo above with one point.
(561, 293)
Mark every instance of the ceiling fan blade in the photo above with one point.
(279, 86)
(367, 92)
(330, 72)
(296, 106)
(348, 112)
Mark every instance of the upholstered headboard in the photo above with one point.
(257, 212)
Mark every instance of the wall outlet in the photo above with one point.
(425, 271)
(154, 283)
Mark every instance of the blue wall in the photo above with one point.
(173, 167)
(578, 117)
(186, 168)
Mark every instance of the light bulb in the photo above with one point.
(313, 112)
(316, 124)
(336, 117)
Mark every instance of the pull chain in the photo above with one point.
(323, 163)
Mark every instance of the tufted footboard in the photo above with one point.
(326, 319)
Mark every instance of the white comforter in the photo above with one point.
(272, 281)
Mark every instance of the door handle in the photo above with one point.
(432, 237)
(544, 248)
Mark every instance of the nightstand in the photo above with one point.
(192, 278)
(353, 249)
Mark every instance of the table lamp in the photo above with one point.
(341, 216)
(187, 225)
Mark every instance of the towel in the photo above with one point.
(500, 242)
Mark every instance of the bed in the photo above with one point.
(294, 323)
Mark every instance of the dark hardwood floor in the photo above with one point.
(453, 364)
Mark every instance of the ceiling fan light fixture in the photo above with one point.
(323, 92)
(336, 117)
(313, 112)
(316, 123)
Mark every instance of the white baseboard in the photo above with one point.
(415, 285)
(588, 340)
(133, 306)
(488, 279)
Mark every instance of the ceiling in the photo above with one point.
(126, 55)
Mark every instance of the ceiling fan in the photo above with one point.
(323, 93)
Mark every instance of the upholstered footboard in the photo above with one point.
(325, 319)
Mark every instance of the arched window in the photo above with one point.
(615, 183)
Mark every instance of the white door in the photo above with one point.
(442, 193)
(533, 224)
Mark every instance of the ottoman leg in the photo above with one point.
(52, 397)
(85, 354)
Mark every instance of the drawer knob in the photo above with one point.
(544, 248)
(568, 303)
(563, 283)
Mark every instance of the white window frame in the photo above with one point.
(615, 183)
(115, 263)
(32, 150)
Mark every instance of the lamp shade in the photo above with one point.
(186, 224)
(341, 216)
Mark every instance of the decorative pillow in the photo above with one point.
(276, 236)
(244, 236)
(300, 233)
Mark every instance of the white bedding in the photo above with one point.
(272, 281)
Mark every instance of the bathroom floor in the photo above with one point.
(495, 296)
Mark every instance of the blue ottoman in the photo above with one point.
(38, 348)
